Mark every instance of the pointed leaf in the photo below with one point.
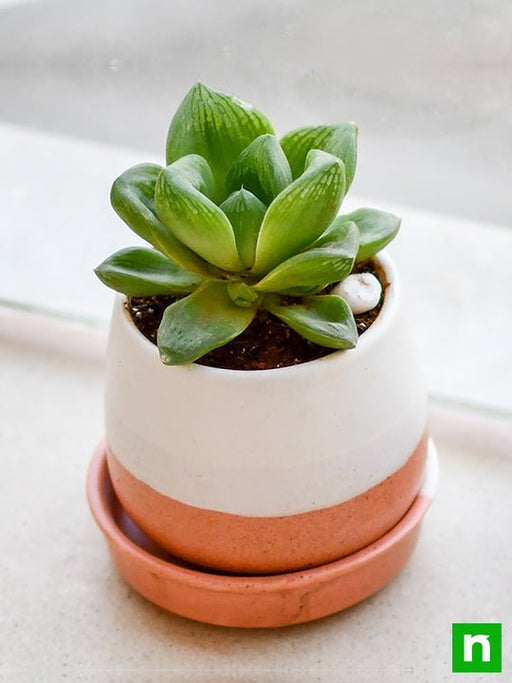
(137, 271)
(261, 168)
(301, 213)
(193, 218)
(339, 139)
(329, 259)
(376, 230)
(217, 126)
(245, 213)
(325, 320)
(132, 197)
(202, 321)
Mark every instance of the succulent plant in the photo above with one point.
(239, 220)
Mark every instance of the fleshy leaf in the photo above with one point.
(325, 320)
(137, 271)
(217, 126)
(329, 259)
(301, 213)
(191, 216)
(200, 322)
(261, 168)
(132, 197)
(245, 213)
(376, 230)
(242, 294)
(339, 139)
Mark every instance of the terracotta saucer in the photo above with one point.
(252, 601)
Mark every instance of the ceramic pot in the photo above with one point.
(260, 472)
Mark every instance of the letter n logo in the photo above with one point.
(476, 648)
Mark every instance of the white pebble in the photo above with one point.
(361, 291)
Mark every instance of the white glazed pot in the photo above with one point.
(271, 470)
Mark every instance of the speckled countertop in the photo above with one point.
(66, 615)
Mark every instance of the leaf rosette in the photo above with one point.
(239, 220)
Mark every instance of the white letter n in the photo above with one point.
(482, 640)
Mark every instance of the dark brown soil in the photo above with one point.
(266, 343)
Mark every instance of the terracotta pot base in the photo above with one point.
(269, 545)
(252, 601)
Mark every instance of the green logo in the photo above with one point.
(476, 648)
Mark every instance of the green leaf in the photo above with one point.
(217, 126)
(325, 320)
(329, 259)
(339, 139)
(376, 230)
(301, 213)
(261, 168)
(204, 320)
(245, 213)
(137, 271)
(243, 294)
(191, 216)
(132, 197)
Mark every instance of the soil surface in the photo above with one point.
(267, 343)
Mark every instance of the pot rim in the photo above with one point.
(368, 339)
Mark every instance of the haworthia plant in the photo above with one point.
(239, 220)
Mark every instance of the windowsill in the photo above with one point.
(77, 615)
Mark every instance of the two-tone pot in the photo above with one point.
(267, 471)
